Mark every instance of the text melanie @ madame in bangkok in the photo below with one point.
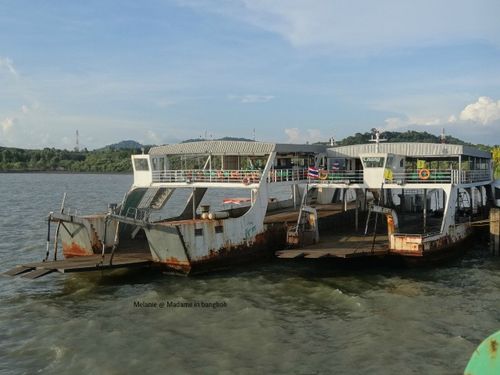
(179, 304)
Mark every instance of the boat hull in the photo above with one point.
(174, 252)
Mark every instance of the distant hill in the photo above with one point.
(408, 136)
(125, 145)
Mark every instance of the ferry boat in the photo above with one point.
(204, 235)
(331, 199)
(429, 194)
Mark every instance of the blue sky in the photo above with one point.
(161, 71)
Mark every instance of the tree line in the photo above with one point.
(51, 159)
(113, 159)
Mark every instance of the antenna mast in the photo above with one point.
(77, 146)
(376, 138)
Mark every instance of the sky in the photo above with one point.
(162, 71)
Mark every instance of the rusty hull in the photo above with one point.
(436, 251)
(165, 241)
(81, 236)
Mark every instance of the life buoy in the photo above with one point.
(424, 174)
(246, 181)
(323, 175)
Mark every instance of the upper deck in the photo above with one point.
(409, 163)
(224, 163)
(247, 164)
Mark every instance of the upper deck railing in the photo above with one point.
(248, 177)
(338, 177)
(438, 176)
(234, 176)
(205, 175)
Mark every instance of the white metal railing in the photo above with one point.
(477, 175)
(419, 176)
(438, 176)
(205, 175)
(284, 175)
(246, 177)
(338, 177)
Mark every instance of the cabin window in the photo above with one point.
(219, 229)
(198, 232)
(158, 164)
(373, 161)
(141, 164)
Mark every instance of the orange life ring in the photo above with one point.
(323, 175)
(424, 174)
(246, 181)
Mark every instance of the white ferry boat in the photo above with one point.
(199, 238)
(429, 194)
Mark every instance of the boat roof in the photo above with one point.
(233, 148)
(407, 149)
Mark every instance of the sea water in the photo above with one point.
(281, 317)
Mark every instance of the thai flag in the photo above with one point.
(312, 173)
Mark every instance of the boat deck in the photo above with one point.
(340, 246)
(82, 264)
(290, 215)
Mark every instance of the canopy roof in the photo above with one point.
(232, 148)
(408, 149)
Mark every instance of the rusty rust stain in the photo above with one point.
(179, 265)
(74, 250)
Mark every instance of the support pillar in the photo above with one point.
(495, 231)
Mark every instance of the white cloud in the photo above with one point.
(152, 138)
(7, 124)
(395, 123)
(295, 135)
(365, 25)
(7, 64)
(24, 109)
(252, 98)
(485, 111)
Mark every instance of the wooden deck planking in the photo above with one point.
(291, 215)
(340, 247)
(35, 274)
(82, 264)
(18, 270)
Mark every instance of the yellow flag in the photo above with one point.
(420, 164)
